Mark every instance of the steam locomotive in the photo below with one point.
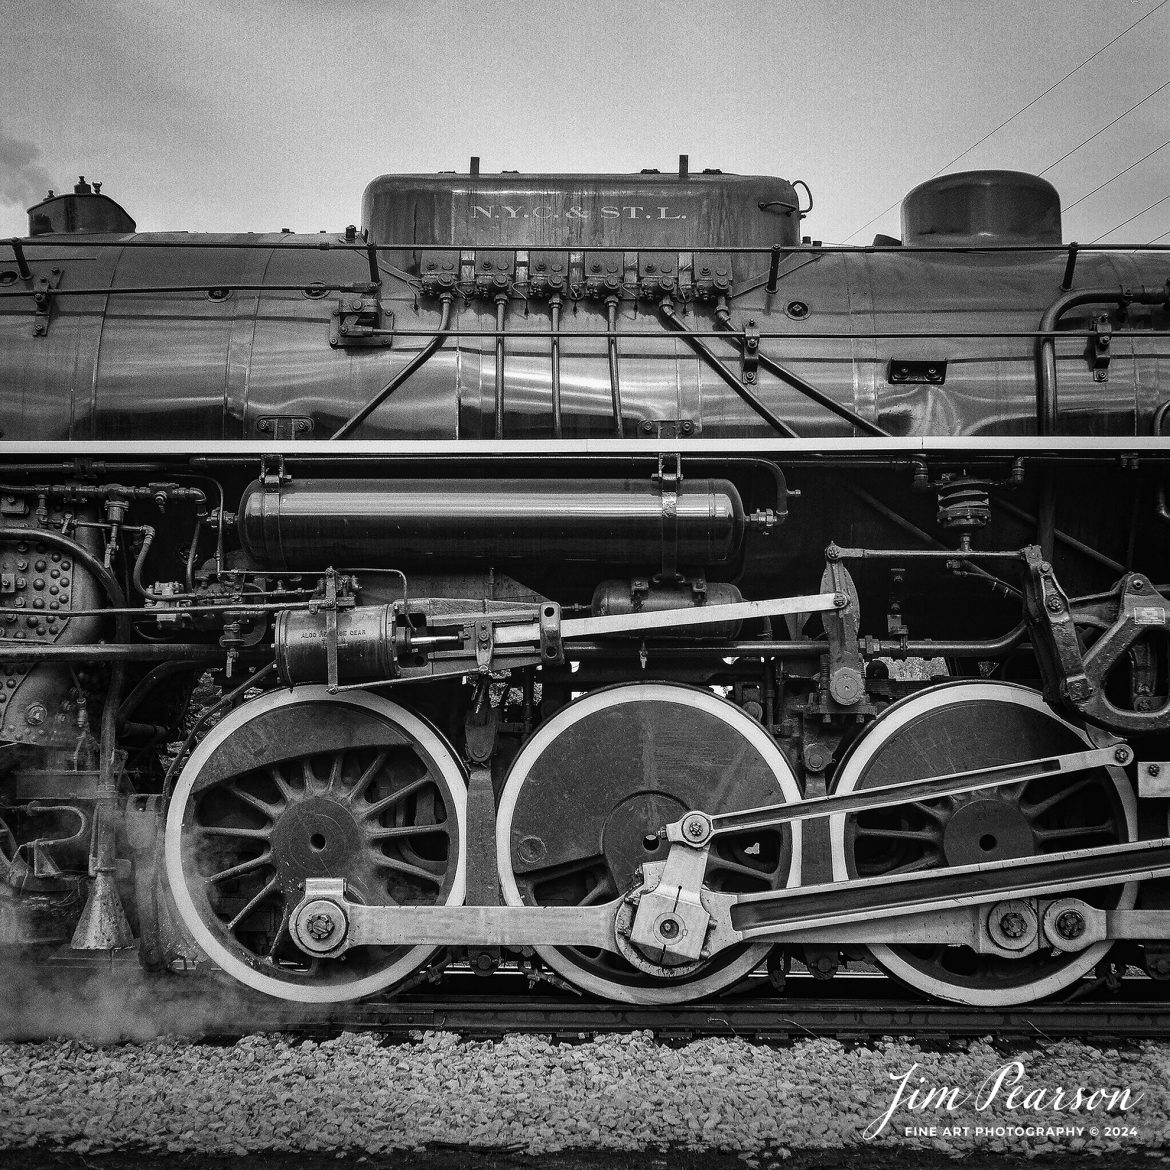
(524, 579)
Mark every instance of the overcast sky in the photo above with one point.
(257, 115)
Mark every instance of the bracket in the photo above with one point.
(272, 472)
(846, 669)
(1078, 677)
(43, 288)
(669, 478)
(359, 321)
(1097, 350)
(751, 352)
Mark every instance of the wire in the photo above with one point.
(1157, 238)
(1023, 109)
(1104, 128)
(1129, 168)
(1133, 217)
(1069, 74)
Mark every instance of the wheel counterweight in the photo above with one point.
(580, 811)
(305, 784)
(957, 727)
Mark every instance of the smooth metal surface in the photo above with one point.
(308, 522)
(183, 366)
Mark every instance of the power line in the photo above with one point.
(1116, 176)
(1021, 110)
(1151, 207)
(1104, 128)
(1024, 109)
(1157, 239)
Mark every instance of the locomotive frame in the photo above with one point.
(414, 738)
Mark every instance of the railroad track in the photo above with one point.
(760, 1019)
(858, 1006)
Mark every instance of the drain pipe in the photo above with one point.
(501, 309)
(615, 390)
(554, 305)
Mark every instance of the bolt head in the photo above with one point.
(1054, 604)
(1122, 755)
(668, 928)
(35, 715)
(1013, 924)
(1070, 924)
(1154, 770)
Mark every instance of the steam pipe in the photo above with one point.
(554, 305)
(818, 396)
(615, 391)
(419, 359)
(111, 652)
(696, 343)
(1047, 407)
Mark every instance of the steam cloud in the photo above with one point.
(23, 180)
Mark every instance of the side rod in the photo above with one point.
(697, 828)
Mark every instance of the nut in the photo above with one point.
(320, 926)
(1013, 924)
(1070, 924)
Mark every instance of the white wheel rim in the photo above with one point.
(562, 962)
(892, 720)
(425, 738)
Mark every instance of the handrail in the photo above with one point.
(82, 240)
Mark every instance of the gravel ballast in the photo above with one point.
(618, 1092)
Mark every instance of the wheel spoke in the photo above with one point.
(234, 831)
(898, 834)
(929, 810)
(600, 892)
(1032, 811)
(400, 794)
(367, 776)
(726, 865)
(269, 810)
(1074, 831)
(308, 776)
(407, 831)
(243, 867)
(252, 904)
(415, 871)
(927, 861)
(335, 768)
(286, 789)
(280, 932)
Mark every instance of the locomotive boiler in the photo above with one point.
(524, 579)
